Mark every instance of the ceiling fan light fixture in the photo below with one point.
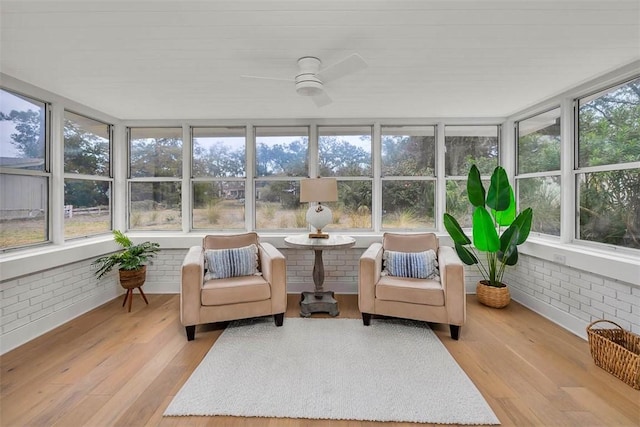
(309, 88)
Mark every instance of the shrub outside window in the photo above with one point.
(281, 161)
(219, 175)
(24, 171)
(466, 146)
(408, 177)
(344, 152)
(538, 170)
(87, 176)
(155, 171)
(608, 172)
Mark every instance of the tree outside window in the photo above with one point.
(538, 176)
(155, 170)
(87, 178)
(344, 152)
(219, 174)
(408, 177)
(24, 171)
(466, 146)
(281, 161)
(608, 173)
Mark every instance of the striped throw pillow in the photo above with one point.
(235, 262)
(417, 265)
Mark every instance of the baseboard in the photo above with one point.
(32, 330)
(563, 319)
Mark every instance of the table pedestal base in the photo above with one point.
(310, 304)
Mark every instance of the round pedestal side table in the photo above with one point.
(319, 301)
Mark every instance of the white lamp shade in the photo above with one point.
(318, 190)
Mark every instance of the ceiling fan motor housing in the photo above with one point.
(307, 83)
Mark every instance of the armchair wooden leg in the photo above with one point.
(455, 331)
(278, 318)
(191, 332)
(366, 319)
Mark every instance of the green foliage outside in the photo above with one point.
(608, 200)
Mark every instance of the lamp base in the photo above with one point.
(319, 216)
(318, 235)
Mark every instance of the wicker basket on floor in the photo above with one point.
(616, 351)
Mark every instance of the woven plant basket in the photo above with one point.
(492, 296)
(130, 279)
(616, 351)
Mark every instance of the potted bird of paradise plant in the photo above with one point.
(496, 233)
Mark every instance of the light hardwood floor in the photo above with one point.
(109, 367)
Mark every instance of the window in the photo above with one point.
(155, 171)
(466, 146)
(24, 171)
(219, 173)
(87, 176)
(538, 170)
(608, 170)
(408, 177)
(344, 152)
(281, 161)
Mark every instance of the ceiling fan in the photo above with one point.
(311, 77)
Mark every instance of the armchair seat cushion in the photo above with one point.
(414, 291)
(234, 290)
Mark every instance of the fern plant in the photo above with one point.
(131, 257)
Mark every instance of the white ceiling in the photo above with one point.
(183, 59)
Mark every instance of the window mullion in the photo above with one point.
(57, 180)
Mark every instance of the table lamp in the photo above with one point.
(319, 190)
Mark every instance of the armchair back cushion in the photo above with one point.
(410, 242)
(230, 241)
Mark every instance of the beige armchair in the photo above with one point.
(439, 300)
(237, 297)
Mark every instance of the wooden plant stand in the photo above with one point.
(133, 279)
(129, 296)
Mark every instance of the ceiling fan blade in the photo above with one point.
(267, 78)
(322, 99)
(349, 65)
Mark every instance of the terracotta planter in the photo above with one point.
(130, 279)
(492, 296)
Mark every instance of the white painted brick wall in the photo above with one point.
(48, 294)
(586, 296)
(340, 269)
(163, 276)
(26, 299)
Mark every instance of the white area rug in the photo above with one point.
(393, 370)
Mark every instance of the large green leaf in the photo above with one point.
(509, 241)
(475, 190)
(466, 255)
(523, 223)
(455, 231)
(512, 260)
(485, 237)
(507, 216)
(498, 197)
